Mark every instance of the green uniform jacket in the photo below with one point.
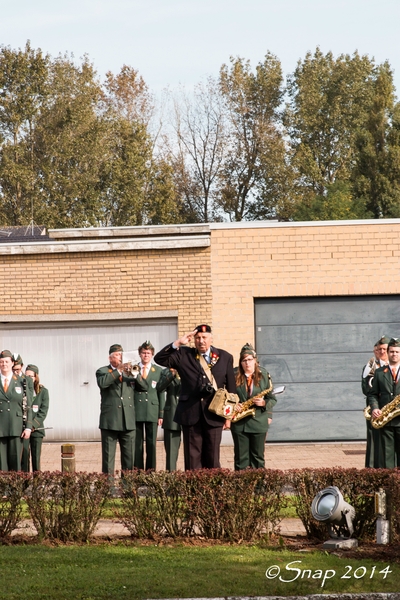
(40, 407)
(172, 385)
(117, 409)
(149, 401)
(383, 390)
(11, 407)
(259, 423)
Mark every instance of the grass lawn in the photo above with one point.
(128, 570)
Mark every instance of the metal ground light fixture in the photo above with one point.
(330, 507)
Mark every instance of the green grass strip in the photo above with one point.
(128, 570)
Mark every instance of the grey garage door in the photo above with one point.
(317, 347)
(68, 355)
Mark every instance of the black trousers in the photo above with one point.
(201, 445)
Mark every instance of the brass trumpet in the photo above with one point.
(130, 363)
(131, 369)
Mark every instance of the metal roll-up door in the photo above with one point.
(317, 347)
(68, 355)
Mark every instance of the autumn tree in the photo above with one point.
(23, 90)
(253, 180)
(70, 146)
(197, 149)
(329, 101)
(136, 185)
(376, 175)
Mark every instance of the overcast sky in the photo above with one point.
(173, 42)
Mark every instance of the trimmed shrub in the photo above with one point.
(12, 490)
(212, 503)
(67, 506)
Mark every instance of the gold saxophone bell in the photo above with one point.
(388, 412)
(224, 404)
(248, 406)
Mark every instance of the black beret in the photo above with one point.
(203, 329)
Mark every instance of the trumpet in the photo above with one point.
(131, 369)
(130, 363)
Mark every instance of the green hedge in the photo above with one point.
(213, 504)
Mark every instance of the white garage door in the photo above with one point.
(68, 355)
(317, 347)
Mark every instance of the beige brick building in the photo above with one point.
(304, 285)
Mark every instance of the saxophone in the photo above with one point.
(247, 406)
(389, 412)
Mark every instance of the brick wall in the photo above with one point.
(289, 260)
(214, 284)
(104, 282)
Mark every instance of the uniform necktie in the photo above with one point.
(5, 386)
(144, 372)
(205, 356)
(249, 385)
(394, 373)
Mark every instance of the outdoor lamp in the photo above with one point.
(329, 507)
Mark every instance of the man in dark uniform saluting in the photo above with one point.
(202, 369)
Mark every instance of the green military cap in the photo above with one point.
(115, 348)
(147, 345)
(6, 354)
(33, 368)
(394, 342)
(18, 359)
(247, 350)
(385, 339)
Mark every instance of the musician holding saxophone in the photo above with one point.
(373, 452)
(249, 433)
(384, 400)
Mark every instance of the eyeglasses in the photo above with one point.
(250, 359)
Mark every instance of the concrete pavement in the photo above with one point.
(277, 456)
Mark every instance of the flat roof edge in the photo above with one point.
(102, 245)
(283, 224)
